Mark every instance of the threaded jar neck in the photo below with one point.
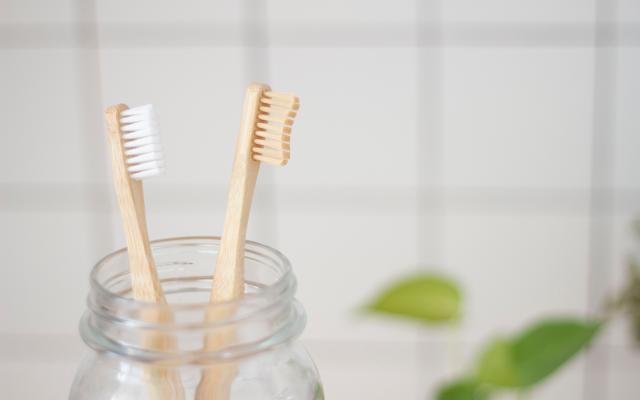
(267, 316)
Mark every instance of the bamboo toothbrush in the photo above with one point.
(136, 154)
(264, 136)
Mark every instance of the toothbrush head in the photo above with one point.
(276, 112)
(141, 142)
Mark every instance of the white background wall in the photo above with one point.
(494, 140)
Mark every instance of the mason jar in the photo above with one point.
(157, 351)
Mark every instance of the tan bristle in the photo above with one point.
(271, 153)
(273, 127)
(280, 120)
(274, 136)
(275, 110)
(280, 95)
(270, 160)
(273, 144)
(291, 103)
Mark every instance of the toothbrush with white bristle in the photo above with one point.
(142, 142)
(136, 155)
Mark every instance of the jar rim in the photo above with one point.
(251, 247)
(112, 321)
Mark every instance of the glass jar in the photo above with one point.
(153, 351)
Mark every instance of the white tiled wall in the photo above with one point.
(337, 12)
(165, 11)
(517, 267)
(528, 11)
(40, 117)
(35, 11)
(460, 132)
(194, 91)
(628, 11)
(359, 110)
(517, 117)
(627, 121)
(353, 255)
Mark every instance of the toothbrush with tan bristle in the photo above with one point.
(136, 154)
(264, 136)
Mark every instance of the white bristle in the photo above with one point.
(141, 137)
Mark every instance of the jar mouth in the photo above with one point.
(266, 315)
(251, 248)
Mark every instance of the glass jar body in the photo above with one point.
(163, 351)
(285, 372)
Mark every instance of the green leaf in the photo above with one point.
(462, 390)
(319, 392)
(423, 297)
(535, 354)
(545, 347)
(630, 300)
(496, 366)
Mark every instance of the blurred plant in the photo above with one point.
(628, 301)
(517, 363)
(523, 361)
(427, 298)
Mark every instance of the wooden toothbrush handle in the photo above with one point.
(228, 277)
(228, 282)
(144, 277)
(165, 384)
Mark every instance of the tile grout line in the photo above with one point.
(429, 149)
(206, 34)
(331, 199)
(600, 198)
(88, 66)
(257, 61)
